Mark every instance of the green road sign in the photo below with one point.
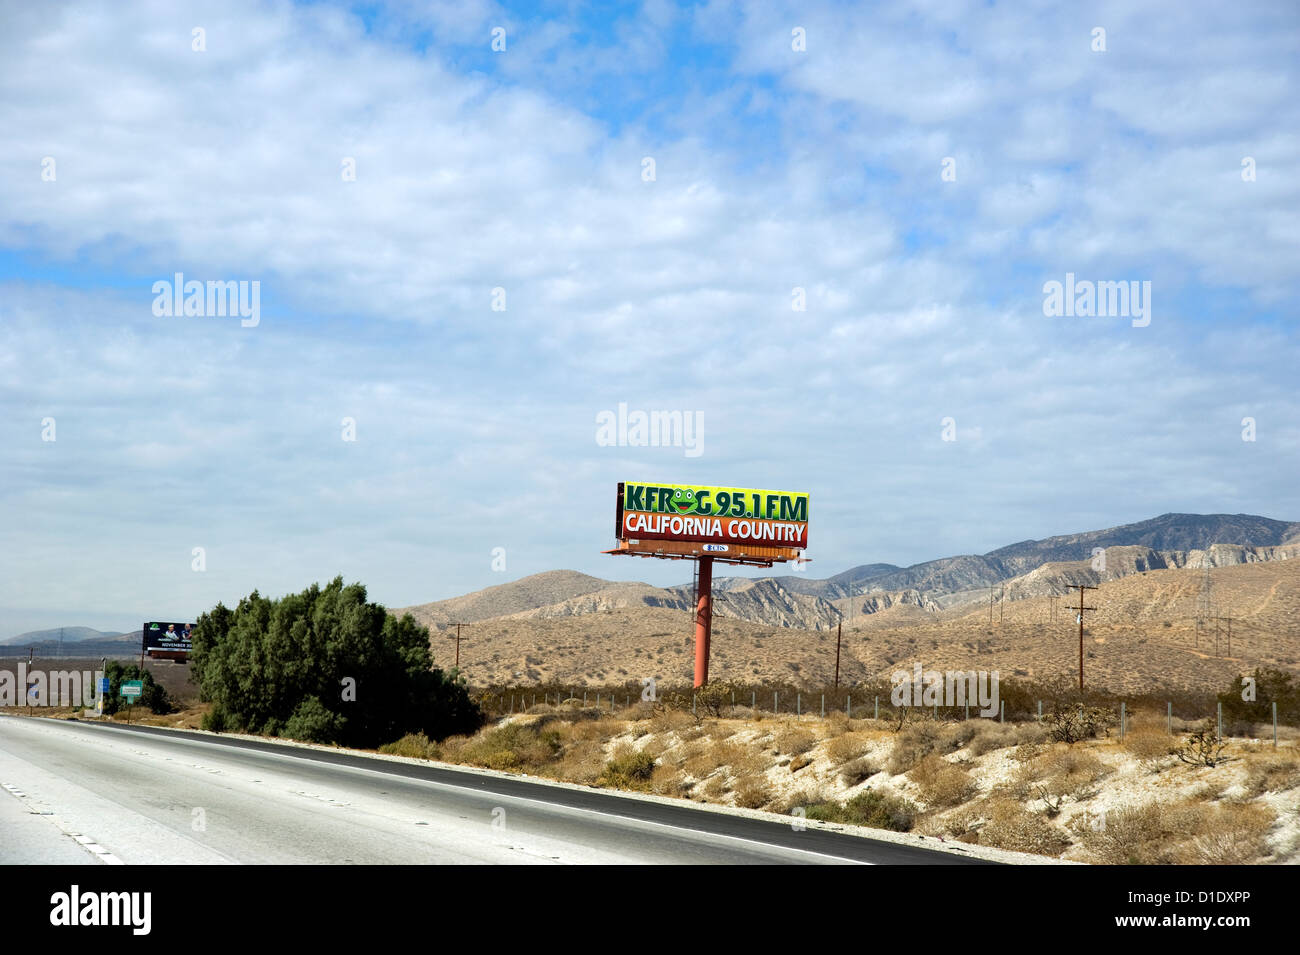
(131, 689)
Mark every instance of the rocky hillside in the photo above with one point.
(949, 585)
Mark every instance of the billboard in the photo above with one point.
(162, 637)
(720, 518)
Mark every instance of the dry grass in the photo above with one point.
(668, 781)
(1272, 774)
(1073, 772)
(1151, 746)
(858, 770)
(847, 746)
(1185, 832)
(1006, 824)
(913, 743)
(794, 741)
(943, 784)
(752, 792)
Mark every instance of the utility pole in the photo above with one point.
(839, 632)
(458, 626)
(1002, 593)
(990, 608)
(1082, 609)
(1229, 619)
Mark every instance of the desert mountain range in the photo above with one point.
(1166, 585)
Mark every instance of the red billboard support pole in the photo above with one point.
(703, 621)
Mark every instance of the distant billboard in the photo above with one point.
(162, 637)
(717, 517)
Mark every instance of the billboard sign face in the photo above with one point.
(167, 637)
(721, 518)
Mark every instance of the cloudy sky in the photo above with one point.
(475, 227)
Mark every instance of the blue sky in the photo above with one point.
(523, 170)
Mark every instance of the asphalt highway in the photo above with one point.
(92, 793)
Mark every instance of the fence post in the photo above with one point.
(967, 711)
(584, 698)
(512, 704)
(1040, 711)
(1003, 717)
(849, 709)
(776, 706)
(753, 700)
(1123, 713)
(1220, 721)
(823, 705)
(1275, 724)
(1169, 716)
(693, 695)
(877, 707)
(597, 701)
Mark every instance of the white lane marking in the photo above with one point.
(86, 842)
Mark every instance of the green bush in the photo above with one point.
(327, 666)
(311, 722)
(413, 744)
(868, 808)
(629, 769)
(154, 698)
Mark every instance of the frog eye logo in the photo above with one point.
(683, 501)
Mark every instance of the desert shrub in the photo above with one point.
(1072, 723)
(509, 746)
(708, 756)
(799, 762)
(912, 744)
(1150, 743)
(668, 781)
(943, 784)
(1008, 825)
(868, 808)
(752, 792)
(794, 741)
(1203, 748)
(413, 744)
(857, 770)
(714, 787)
(714, 698)
(629, 769)
(848, 746)
(1027, 752)
(1073, 773)
(581, 762)
(992, 736)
